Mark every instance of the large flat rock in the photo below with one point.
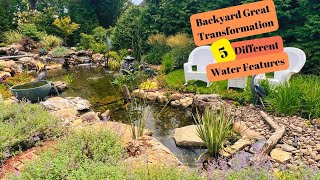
(58, 103)
(188, 137)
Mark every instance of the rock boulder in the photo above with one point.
(187, 137)
(58, 103)
(280, 155)
(90, 117)
(203, 101)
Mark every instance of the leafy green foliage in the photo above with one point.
(163, 173)
(132, 80)
(100, 34)
(114, 60)
(68, 78)
(7, 10)
(50, 41)
(302, 94)
(22, 125)
(96, 41)
(92, 153)
(13, 37)
(115, 56)
(168, 63)
(125, 28)
(214, 128)
(31, 31)
(158, 47)
(60, 51)
(66, 26)
(86, 41)
(181, 45)
(28, 17)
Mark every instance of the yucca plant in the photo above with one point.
(213, 127)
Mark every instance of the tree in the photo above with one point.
(7, 10)
(126, 28)
(108, 11)
(66, 26)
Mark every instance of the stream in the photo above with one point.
(95, 85)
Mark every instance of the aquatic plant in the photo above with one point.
(69, 78)
(138, 114)
(213, 128)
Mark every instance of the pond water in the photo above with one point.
(95, 85)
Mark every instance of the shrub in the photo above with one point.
(214, 128)
(157, 39)
(5, 91)
(163, 173)
(22, 125)
(115, 56)
(181, 45)
(96, 42)
(100, 34)
(60, 51)
(114, 65)
(11, 37)
(31, 31)
(86, 41)
(92, 153)
(123, 53)
(50, 41)
(28, 17)
(99, 47)
(168, 63)
(158, 48)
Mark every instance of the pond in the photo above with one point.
(95, 85)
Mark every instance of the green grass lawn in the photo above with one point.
(301, 97)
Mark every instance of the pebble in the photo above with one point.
(304, 151)
(275, 165)
(313, 155)
(312, 143)
(309, 150)
(287, 147)
(311, 161)
(317, 158)
(299, 129)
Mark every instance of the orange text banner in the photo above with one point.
(234, 22)
(257, 47)
(247, 67)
